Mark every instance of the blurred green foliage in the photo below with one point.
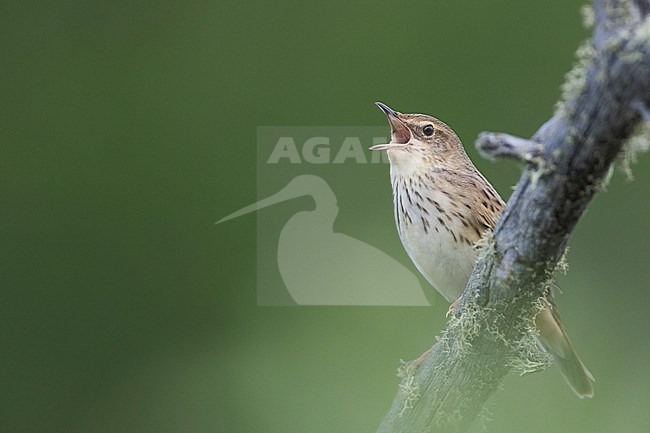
(128, 129)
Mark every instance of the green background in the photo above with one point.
(128, 128)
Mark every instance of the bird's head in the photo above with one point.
(418, 138)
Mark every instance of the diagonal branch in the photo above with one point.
(484, 341)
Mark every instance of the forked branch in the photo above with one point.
(605, 98)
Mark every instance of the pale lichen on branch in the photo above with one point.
(602, 115)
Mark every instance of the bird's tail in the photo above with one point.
(555, 341)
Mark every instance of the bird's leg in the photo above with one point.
(416, 362)
(453, 306)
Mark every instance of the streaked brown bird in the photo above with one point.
(443, 205)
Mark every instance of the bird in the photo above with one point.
(442, 207)
(322, 267)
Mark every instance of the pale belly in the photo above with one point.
(446, 264)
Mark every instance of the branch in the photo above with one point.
(494, 145)
(642, 7)
(643, 110)
(490, 335)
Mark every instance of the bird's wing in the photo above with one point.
(489, 204)
(484, 205)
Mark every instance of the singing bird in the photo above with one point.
(442, 207)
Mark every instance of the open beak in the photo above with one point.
(400, 134)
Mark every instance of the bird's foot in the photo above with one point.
(412, 365)
(453, 307)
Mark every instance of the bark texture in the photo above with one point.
(566, 161)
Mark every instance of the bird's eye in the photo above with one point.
(428, 130)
